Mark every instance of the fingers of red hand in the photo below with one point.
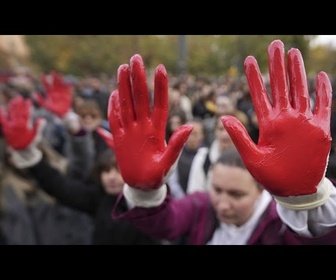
(278, 75)
(18, 128)
(58, 81)
(161, 109)
(27, 111)
(260, 98)
(298, 82)
(175, 144)
(114, 114)
(322, 109)
(61, 87)
(240, 137)
(19, 109)
(125, 95)
(13, 107)
(139, 87)
(59, 98)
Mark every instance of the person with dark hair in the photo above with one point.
(28, 215)
(97, 199)
(272, 192)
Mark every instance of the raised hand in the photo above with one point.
(291, 156)
(138, 129)
(18, 129)
(58, 99)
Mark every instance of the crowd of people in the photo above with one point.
(161, 160)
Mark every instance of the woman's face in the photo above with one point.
(112, 181)
(233, 193)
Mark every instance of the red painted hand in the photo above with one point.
(294, 139)
(17, 127)
(138, 131)
(59, 94)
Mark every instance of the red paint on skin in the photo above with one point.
(285, 160)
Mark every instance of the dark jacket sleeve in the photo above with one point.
(80, 153)
(70, 192)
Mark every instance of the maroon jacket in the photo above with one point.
(194, 216)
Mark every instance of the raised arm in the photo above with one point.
(291, 155)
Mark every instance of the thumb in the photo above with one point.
(176, 143)
(107, 136)
(240, 137)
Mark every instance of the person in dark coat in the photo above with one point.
(95, 197)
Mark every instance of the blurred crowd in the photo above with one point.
(69, 199)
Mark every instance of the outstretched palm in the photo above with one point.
(294, 140)
(138, 129)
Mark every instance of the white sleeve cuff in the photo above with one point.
(307, 202)
(147, 199)
(25, 158)
(312, 222)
